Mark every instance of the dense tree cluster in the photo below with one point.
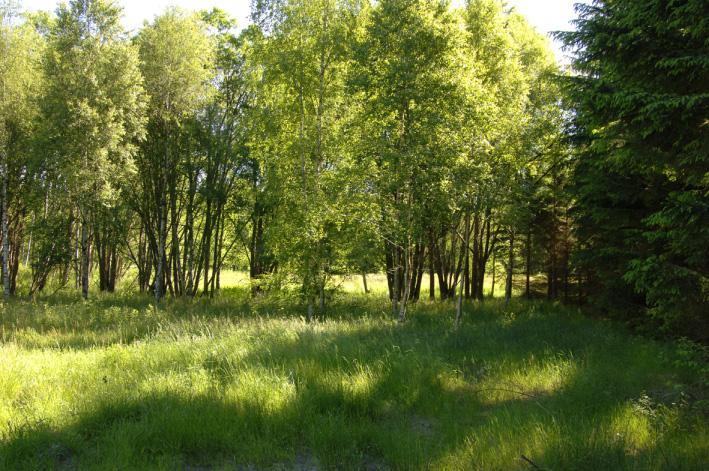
(641, 100)
(338, 137)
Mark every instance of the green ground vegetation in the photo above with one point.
(241, 383)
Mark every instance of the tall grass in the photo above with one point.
(235, 383)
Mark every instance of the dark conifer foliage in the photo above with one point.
(641, 100)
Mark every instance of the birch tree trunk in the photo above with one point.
(510, 267)
(189, 242)
(431, 273)
(459, 305)
(528, 294)
(5, 231)
(77, 255)
(84, 257)
(159, 269)
(179, 279)
(466, 263)
(207, 250)
(407, 284)
(29, 245)
(396, 284)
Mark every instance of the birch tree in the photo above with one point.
(20, 85)
(94, 110)
(304, 60)
(408, 76)
(176, 60)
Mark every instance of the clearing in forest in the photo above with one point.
(238, 384)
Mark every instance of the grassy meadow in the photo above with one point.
(241, 384)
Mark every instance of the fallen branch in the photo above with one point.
(532, 463)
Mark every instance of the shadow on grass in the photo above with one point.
(381, 396)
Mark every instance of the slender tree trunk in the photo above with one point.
(217, 248)
(552, 284)
(77, 255)
(29, 243)
(441, 274)
(407, 285)
(566, 281)
(485, 248)
(431, 275)
(476, 271)
(419, 271)
(494, 272)
(162, 236)
(528, 266)
(459, 307)
(102, 259)
(207, 238)
(220, 255)
(28, 254)
(5, 233)
(14, 262)
(85, 253)
(114, 269)
(466, 267)
(189, 250)
(257, 265)
(179, 279)
(142, 282)
(567, 250)
(308, 284)
(168, 280)
(364, 282)
(162, 265)
(311, 307)
(510, 268)
(389, 267)
(143, 279)
(67, 266)
(396, 284)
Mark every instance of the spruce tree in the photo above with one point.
(641, 96)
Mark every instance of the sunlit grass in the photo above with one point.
(230, 383)
(377, 284)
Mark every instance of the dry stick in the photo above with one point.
(532, 463)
